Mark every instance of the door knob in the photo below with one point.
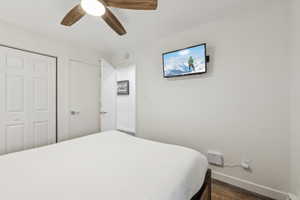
(74, 112)
(103, 113)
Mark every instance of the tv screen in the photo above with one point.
(188, 61)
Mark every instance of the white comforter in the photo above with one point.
(104, 166)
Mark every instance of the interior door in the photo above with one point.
(27, 100)
(108, 96)
(84, 99)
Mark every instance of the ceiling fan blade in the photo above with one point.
(133, 4)
(73, 16)
(113, 22)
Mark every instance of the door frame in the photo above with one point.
(56, 81)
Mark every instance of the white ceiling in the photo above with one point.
(44, 16)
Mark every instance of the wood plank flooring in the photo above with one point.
(223, 191)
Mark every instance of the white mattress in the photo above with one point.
(104, 166)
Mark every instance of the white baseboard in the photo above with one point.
(293, 197)
(252, 187)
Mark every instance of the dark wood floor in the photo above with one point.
(222, 191)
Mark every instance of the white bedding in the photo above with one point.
(104, 166)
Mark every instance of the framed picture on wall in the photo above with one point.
(123, 87)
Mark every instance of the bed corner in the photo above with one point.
(205, 191)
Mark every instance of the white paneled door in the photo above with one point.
(27, 100)
(84, 87)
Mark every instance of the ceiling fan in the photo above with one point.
(100, 8)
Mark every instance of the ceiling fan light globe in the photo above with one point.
(93, 7)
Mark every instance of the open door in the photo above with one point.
(84, 99)
(108, 96)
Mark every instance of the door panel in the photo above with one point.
(14, 93)
(27, 100)
(41, 67)
(84, 99)
(108, 96)
(41, 131)
(41, 94)
(15, 137)
(15, 60)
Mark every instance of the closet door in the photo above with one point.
(27, 100)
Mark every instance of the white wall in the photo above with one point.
(295, 98)
(16, 37)
(239, 108)
(126, 103)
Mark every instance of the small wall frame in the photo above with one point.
(123, 87)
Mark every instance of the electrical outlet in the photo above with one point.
(215, 158)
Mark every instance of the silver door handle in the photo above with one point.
(103, 113)
(74, 112)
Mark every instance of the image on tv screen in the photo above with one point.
(185, 62)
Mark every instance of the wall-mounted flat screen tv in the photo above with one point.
(183, 62)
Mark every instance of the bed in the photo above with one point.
(109, 166)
